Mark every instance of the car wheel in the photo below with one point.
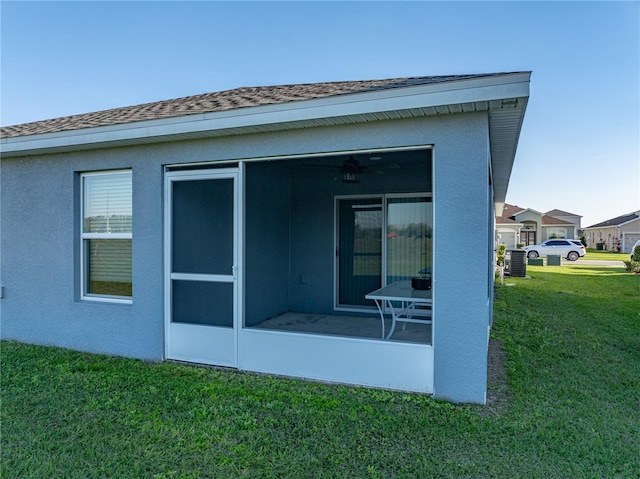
(532, 254)
(572, 256)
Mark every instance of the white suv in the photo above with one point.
(570, 249)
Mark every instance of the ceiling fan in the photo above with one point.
(351, 169)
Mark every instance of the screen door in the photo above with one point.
(202, 257)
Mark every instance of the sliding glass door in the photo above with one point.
(359, 249)
(409, 224)
(380, 240)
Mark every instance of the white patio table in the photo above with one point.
(415, 305)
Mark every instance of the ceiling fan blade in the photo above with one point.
(311, 165)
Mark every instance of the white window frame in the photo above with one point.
(84, 295)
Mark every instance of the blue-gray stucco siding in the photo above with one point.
(40, 240)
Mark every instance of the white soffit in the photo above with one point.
(504, 131)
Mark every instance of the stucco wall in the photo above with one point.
(40, 271)
(462, 308)
(40, 239)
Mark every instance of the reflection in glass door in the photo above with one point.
(381, 240)
(359, 250)
(202, 264)
(409, 237)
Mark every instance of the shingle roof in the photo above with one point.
(511, 210)
(221, 101)
(559, 213)
(616, 221)
(503, 220)
(550, 220)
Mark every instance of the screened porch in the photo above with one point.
(323, 232)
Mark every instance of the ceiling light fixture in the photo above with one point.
(350, 177)
(351, 170)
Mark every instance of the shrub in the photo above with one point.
(520, 245)
(632, 266)
(501, 253)
(636, 254)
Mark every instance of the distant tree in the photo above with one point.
(583, 240)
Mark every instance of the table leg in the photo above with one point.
(380, 310)
(393, 319)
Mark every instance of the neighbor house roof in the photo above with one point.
(550, 220)
(503, 220)
(503, 96)
(617, 221)
(528, 209)
(561, 213)
(511, 210)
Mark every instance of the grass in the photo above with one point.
(605, 255)
(572, 341)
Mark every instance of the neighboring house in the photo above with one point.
(508, 232)
(244, 228)
(615, 234)
(576, 220)
(531, 227)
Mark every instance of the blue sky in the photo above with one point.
(580, 145)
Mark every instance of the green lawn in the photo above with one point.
(572, 408)
(605, 255)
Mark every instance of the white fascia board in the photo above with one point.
(509, 225)
(446, 93)
(601, 227)
(529, 210)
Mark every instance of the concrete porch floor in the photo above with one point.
(349, 326)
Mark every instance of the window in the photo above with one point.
(106, 236)
(557, 243)
(556, 233)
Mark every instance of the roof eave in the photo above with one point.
(504, 96)
(529, 209)
(348, 108)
